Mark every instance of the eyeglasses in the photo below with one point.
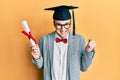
(59, 26)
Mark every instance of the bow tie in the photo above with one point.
(61, 40)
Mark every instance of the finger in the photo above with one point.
(88, 43)
(89, 40)
(37, 45)
(92, 44)
(88, 46)
(33, 50)
(35, 53)
(34, 47)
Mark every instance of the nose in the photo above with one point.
(62, 27)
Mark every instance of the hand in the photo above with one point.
(91, 45)
(35, 51)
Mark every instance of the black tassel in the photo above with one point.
(73, 22)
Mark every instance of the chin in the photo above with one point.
(63, 34)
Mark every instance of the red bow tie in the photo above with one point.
(61, 40)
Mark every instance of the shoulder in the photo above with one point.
(77, 36)
(80, 38)
(47, 36)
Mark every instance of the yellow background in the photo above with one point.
(96, 19)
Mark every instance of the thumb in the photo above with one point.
(88, 43)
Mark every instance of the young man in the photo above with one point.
(61, 54)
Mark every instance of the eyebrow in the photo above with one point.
(64, 23)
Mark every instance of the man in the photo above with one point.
(61, 54)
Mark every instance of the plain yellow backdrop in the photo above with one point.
(95, 19)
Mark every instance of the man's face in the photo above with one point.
(62, 27)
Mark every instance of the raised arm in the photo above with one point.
(36, 54)
(87, 54)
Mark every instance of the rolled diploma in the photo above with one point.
(27, 30)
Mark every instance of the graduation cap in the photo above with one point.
(62, 13)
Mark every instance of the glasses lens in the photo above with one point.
(66, 26)
(59, 26)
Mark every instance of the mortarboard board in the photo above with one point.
(62, 13)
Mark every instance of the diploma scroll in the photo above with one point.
(27, 32)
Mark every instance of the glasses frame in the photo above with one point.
(59, 26)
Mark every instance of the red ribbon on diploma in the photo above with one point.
(29, 36)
